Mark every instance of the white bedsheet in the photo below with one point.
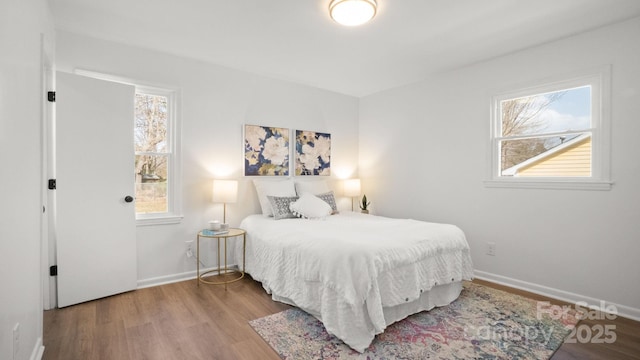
(347, 268)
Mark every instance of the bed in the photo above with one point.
(357, 273)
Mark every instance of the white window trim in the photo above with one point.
(174, 200)
(174, 212)
(600, 81)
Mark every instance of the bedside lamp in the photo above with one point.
(352, 189)
(225, 191)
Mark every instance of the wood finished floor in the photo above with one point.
(182, 321)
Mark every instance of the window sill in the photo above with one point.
(549, 184)
(159, 220)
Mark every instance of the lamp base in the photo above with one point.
(224, 213)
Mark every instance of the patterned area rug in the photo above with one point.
(483, 323)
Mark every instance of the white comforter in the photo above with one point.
(350, 266)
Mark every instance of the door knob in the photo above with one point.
(128, 198)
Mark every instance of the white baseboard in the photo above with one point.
(169, 279)
(38, 350)
(622, 310)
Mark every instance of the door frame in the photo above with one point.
(47, 160)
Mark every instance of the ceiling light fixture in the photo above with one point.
(352, 12)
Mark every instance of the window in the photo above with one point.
(552, 136)
(155, 156)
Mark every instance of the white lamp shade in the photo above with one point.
(352, 12)
(352, 187)
(225, 191)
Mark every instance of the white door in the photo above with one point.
(96, 243)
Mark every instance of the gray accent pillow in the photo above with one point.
(280, 206)
(331, 200)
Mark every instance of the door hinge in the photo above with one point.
(53, 270)
(51, 96)
(52, 184)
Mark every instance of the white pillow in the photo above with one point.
(313, 187)
(310, 207)
(266, 188)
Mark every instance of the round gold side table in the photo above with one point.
(233, 232)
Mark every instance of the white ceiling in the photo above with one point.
(295, 40)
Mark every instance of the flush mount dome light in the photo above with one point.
(352, 12)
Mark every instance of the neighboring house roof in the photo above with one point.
(513, 171)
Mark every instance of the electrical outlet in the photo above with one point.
(16, 340)
(491, 248)
(189, 249)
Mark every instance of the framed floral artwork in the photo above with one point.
(266, 151)
(313, 153)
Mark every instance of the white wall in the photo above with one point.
(216, 102)
(21, 24)
(423, 154)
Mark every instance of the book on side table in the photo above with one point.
(207, 232)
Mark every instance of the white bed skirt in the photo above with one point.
(440, 295)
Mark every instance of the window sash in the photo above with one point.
(558, 164)
(507, 99)
(543, 135)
